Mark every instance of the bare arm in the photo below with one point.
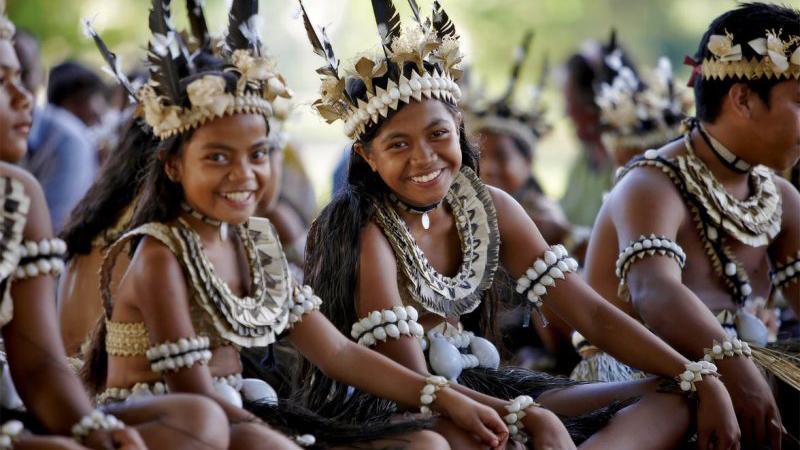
(378, 289)
(163, 299)
(36, 354)
(576, 303)
(787, 245)
(644, 203)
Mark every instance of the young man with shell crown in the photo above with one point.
(693, 230)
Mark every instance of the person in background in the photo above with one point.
(590, 175)
(61, 154)
(508, 135)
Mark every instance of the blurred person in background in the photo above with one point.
(590, 174)
(508, 135)
(61, 155)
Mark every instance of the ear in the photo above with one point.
(740, 100)
(364, 153)
(173, 168)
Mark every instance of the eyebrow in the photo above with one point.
(398, 134)
(223, 146)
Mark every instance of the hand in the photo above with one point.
(125, 439)
(478, 419)
(753, 402)
(546, 430)
(716, 422)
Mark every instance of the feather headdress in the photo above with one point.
(641, 113)
(7, 28)
(503, 115)
(183, 94)
(417, 61)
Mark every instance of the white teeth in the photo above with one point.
(238, 196)
(426, 178)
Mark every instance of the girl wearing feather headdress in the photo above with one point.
(206, 280)
(417, 229)
(51, 400)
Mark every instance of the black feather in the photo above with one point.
(238, 19)
(520, 54)
(388, 21)
(415, 10)
(545, 71)
(111, 59)
(197, 22)
(164, 69)
(321, 45)
(441, 22)
(612, 40)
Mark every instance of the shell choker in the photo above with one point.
(420, 210)
(223, 226)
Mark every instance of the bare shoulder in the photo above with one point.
(376, 251)
(38, 225)
(504, 203)
(511, 216)
(644, 188)
(155, 271)
(26, 178)
(377, 284)
(790, 197)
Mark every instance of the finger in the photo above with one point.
(775, 428)
(496, 424)
(486, 435)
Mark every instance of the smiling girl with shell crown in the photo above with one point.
(417, 231)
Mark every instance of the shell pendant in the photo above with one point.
(223, 231)
(426, 221)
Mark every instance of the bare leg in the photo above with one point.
(584, 398)
(256, 436)
(420, 440)
(655, 421)
(176, 422)
(456, 436)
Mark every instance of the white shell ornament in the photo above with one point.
(228, 393)
(485, 351)
(255, 390)
(444, 357)
(751, 329)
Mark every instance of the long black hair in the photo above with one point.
(113, 191)
(332, 266)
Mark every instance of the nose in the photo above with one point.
(242, 171)
(22, 99)
(423, 153)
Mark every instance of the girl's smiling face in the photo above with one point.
(416, 152)
(224, 168)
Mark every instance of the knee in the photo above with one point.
(428, 440)
(456, 437)
(203, 416)
(677, 405)
(245, 436)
